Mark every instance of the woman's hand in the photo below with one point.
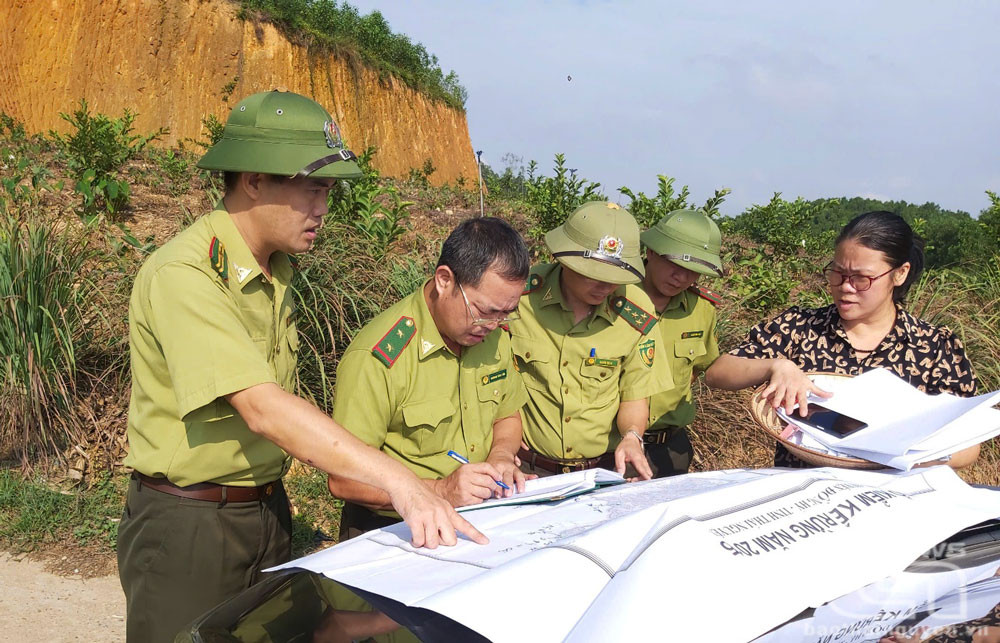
(788, 385)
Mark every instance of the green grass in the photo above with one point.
(33, 515)
(44, 298)
(317, 521)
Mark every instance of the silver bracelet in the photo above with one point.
(642, 443)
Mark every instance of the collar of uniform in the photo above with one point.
(430, 338)
(683, 299)
(243, 265)
(551, 291)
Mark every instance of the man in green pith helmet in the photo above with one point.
(680, 248)
(587, 350)
(213, 419)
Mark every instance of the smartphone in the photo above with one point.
(832, 422)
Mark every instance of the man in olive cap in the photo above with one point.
(681, 247)
(586, 347)
(213, 419)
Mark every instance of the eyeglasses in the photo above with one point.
(480, 321)
(859, 283)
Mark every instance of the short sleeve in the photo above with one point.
(206, 345)
(771, 339)
(516, 394)
(362, 402)
(953, 369)
(646, 372)
(711, 346)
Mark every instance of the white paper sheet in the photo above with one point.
(599, 566)
(564, 484)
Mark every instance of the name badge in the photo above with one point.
(607, 363)
(692, 333)
(494, 377)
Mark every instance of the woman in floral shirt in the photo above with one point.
(877, 258)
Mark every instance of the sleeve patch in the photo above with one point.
(534, 283)
(217, 255)
(647, 351)
(636, 317)
(389, 348)
(707, 295)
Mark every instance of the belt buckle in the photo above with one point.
(566, 468)
(268, 489)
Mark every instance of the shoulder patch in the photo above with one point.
(706, 294)
(534, 283)
(217, 255)
(636, 317)
(389, 348)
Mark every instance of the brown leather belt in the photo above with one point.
(606, 461)
(208, 491)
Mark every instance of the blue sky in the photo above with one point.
(893, 99)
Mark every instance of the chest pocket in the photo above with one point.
(491, 383)
(689, 349)
(600, 378)
(532, 361)
(423, 433)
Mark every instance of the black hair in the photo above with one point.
(889, 234)
(481, 244)
(230, 178)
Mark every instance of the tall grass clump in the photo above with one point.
(43, 298)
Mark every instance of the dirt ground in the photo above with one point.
(37, 605)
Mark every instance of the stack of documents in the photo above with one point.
(905, 426)
(555, 488)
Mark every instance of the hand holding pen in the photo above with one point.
(469, 484)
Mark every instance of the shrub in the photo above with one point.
(648, 210)
(554, 198)
(96, 151)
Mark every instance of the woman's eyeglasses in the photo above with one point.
(859, 283)
(481, 321)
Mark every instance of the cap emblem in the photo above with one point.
(610, 246)
(613, 206)
(332, 133)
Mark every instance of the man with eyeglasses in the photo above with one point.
(432, 376)
(587, 349)
(680, 248)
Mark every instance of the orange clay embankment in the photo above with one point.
(170, 61)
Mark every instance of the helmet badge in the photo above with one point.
(610, 246)
(332, 132)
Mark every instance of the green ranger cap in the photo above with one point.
(690, 239)
(599, 240)
(282, 133)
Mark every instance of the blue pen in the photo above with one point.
(593, 352)
(461, 458)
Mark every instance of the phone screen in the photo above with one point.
(836, 424)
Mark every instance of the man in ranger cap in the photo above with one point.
(213, 420)
(681, 247)
(586, 349)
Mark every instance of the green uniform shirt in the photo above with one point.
(573, 398)
(205, 322)
(687, 335)
(400, 389)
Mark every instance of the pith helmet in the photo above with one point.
(690, 239)
(281, 133)
(599, 240)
